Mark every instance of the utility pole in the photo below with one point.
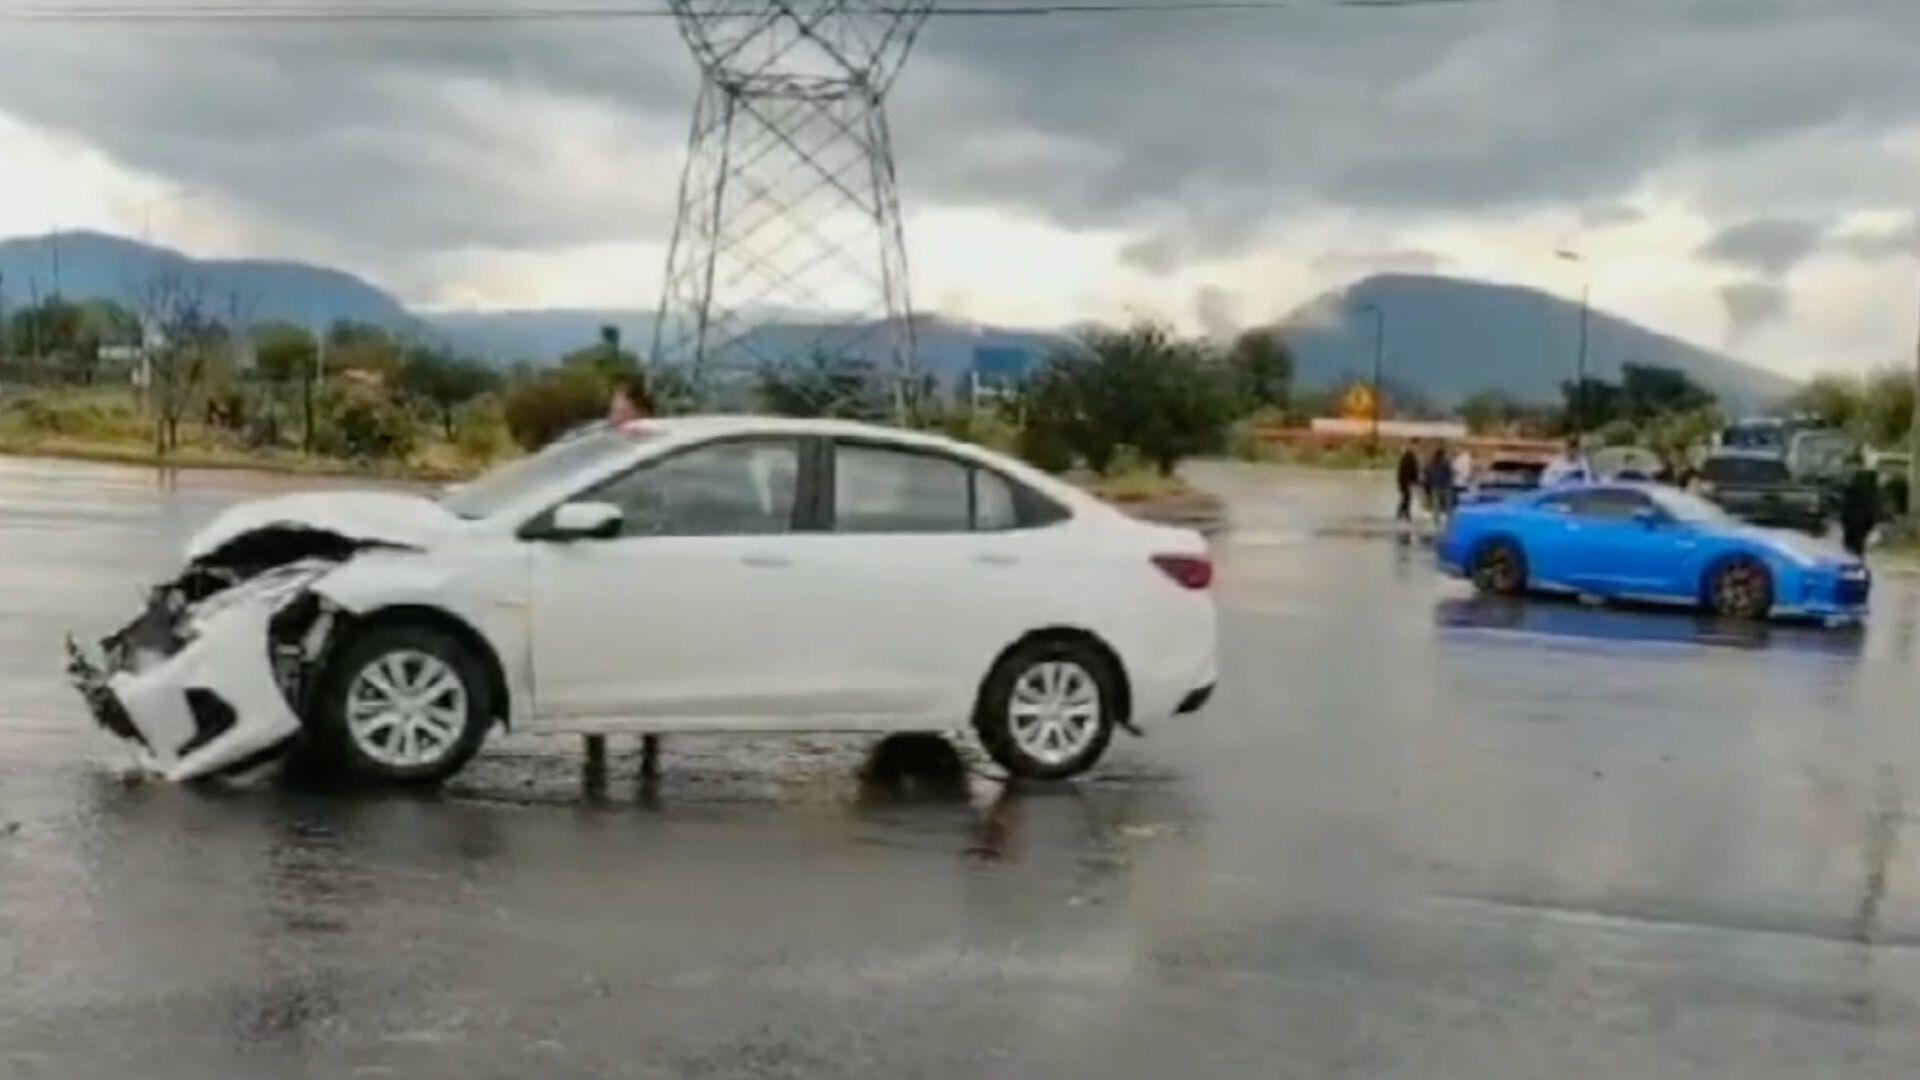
(1379, 351)
(1913, 438)
(1580, 359)
(33, 323)
(1579, 404)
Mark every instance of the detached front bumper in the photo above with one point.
(199, 703)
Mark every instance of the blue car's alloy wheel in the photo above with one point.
(1500, 568)
(1742, 589)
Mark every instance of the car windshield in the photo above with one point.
(1823, 454)
(513, 483)
(1744, 470)
(1690, 508)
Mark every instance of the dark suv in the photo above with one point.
(1756, 486)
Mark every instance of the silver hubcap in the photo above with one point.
(406, 708)
(1055, 711)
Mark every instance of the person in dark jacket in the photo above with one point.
(1859, 507)
(1440, 485)
(1408, 479)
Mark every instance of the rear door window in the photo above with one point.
(881, 490)
(885, 489)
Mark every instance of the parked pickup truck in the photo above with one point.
(1756, 486)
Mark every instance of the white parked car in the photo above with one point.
(735, 574)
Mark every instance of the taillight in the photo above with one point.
(1191, 571)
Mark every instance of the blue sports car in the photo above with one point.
(1646, 542)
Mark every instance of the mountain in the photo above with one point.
(87, 265)
(538, 335)
(1448, 338)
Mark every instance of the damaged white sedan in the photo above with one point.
(700, 574)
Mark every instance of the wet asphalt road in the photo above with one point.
(1414, 836)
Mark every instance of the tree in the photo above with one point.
(546, 404)
(1834, 400)
(1673, 434)
(1589, 403)
(444, 382)
(823, 384)
(1262, 367)
(183, 336)
(1490, 412)
(365, 347)
(1141, 387)
(1649, 390)
(286, 355)
(606, 356)
(1887, 413)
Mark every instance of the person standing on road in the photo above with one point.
(1859, 507)
(1408, 478)
(1439, 486)
(1462, 474)
(1569, 468)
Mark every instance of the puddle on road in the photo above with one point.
(1551, 618)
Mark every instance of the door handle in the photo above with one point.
(766, 562)
(993, 558)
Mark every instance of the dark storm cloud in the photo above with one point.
(1751, 304)
(1768, 246)
(1209, 129)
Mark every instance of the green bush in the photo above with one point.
(1169, 398)
(480, 432)
(546, 404)
(360, 425)
(79, 414)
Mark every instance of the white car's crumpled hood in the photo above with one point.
(374, 517)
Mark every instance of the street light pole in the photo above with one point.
(1580, 359)
(1913, 438)
(1379, 351)
(1577, 420)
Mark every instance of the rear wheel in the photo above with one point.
(402, 704)
(1500, 567)
(1741, 589)
(1047, 710)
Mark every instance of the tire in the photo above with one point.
(437, 729)
(1047, 710)
(1500, 568)
(1741, 588)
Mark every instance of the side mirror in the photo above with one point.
(1649, 518)
(585, 521)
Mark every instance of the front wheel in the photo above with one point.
(1047, 710)
(402, 704)
(1741, 589)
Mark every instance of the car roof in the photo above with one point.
(708, 425)
(651, 433)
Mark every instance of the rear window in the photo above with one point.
(1732, 470)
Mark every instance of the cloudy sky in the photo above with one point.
(1742, 173)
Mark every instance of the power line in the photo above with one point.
(415, 12)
